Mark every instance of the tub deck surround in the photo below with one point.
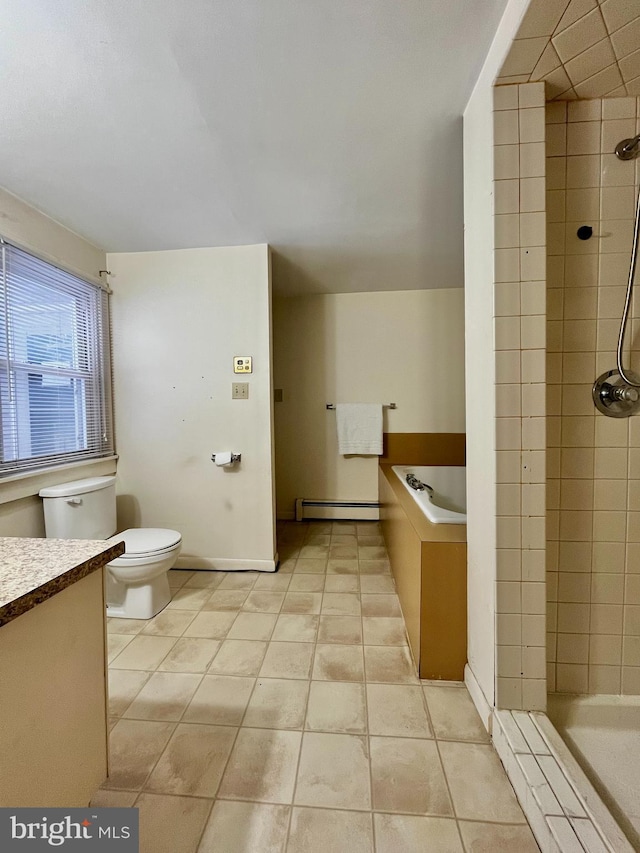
(33, 570)
(429, 563)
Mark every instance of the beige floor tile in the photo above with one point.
(372, 552)
(397, 710)
(314, 552)
(262, 766)
(272, 581)
(189, 598)
(340, 629)
(227, 599)
(342, 583)
(169, 824)
(178, 577)
(164, 697)
(103, 799)
(371, 540)
(220, 700)
(204, 579)
(307, 583)
(193, 761)
(384, 630)
(134, 748)
(116, 643)
(336, 706)
(334, 772)
(396, 833)
(302, 602)
(343, 552)
(368, 528)
(407, 777)
(292, 627)
(277, 704)
(287, 660)
(338, 663)
(478, 783)
(237, 827)
(252, 626)
(190, 654)
(344, 539)
(377, 584)
(390, 664)
(342, 567)
(343, 528)
(169, 623)
(453, 714)
(329, 831)
(143, 652)
(264, 601)
(287, 566)
(493, 838)
(318, 539)
(211, 625)
(373, 567)
(380, 605)
(310, 566)
(239, 657)
(124, 686)
(340, 604)
(239, 580)
(126, 626)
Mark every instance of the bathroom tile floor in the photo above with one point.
(281, 712)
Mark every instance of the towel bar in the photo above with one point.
(331, 406)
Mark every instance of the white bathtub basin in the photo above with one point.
(448, 503)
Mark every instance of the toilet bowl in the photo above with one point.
(136, 583)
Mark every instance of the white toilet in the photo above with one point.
(137, 583)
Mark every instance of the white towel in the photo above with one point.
(359, 428)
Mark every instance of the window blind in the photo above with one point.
(55, 395)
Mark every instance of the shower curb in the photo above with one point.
(565, 812)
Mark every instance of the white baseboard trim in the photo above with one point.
(483, 708)
(226, 564)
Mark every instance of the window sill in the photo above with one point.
(15, 487)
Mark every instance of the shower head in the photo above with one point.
(628, 148)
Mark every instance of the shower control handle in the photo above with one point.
(613, 397)
(628, 395)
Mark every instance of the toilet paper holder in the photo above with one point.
(235, 457)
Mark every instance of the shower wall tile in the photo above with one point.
(597, 494)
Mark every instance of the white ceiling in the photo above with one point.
(330, 129)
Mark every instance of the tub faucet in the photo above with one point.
(414, 483)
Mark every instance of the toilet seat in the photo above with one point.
(146, 542)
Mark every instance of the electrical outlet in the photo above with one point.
(240, 391)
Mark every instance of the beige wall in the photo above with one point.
(178, 319)
(593, 460)
(20, 509)
(480, 367)
(404, 347)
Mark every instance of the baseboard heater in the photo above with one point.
(337, 510)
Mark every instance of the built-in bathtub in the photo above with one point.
(428, 561)
(443, 499)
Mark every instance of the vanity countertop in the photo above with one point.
(33, 570)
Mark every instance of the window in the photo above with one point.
(55, 403)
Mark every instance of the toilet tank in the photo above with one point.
(83, 509)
